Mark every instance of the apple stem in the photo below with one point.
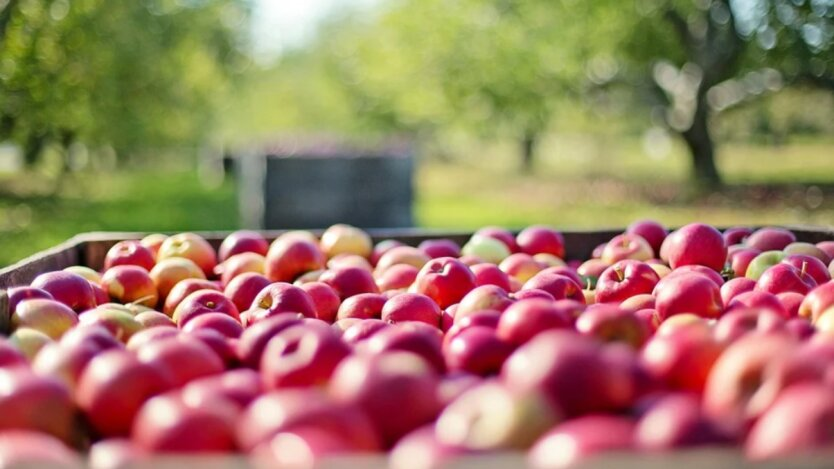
(803, 269)
(620, 274)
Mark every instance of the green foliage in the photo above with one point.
(132, 75)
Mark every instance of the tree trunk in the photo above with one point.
(32, 149)
(702, 148)
(528, 151)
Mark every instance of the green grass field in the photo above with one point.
(608, 185)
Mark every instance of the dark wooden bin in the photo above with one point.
(89, 249)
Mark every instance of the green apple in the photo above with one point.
(489, 249)
(763, 262)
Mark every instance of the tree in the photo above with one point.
(135, 76)
(705, 56)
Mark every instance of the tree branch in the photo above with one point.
(6, 18)
(681, 28)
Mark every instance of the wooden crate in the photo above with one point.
(90, 248)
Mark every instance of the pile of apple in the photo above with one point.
(306, 349)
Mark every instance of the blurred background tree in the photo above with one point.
(115, 78)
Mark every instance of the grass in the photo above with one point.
(608, 183)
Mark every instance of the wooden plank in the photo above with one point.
(5, 314)
(56, 258)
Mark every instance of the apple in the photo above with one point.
(435, 248)
(827, 247)
(182, 358)
(817, 301)
(130, 284)
(113, 453)
(325, 300)
(414, 337)
(535, 293)
(19, 294)
(346, 239)
(291, 409)
(10, 356)
(591, 270)
(153, 242)
(381, 248)
(740, 259)
(290, 258)
(688, 293)
(130, 252)
(492, 417)
(650, 318)
(736, 235)
(740, 322)
(242, 241)
(184, 288)
(121, 324)
(810, 266)
(303, 447)
(662, 270)
(807, 249)
(396, 277)
(541, 239)
(146, 336)
(99, 336)
(625, 279)
(696, 243)
(349, 281)
(239, 387)
(402, 255)
(791, 301)
(28, 341)
(280, 298)
(411, 307)
(445, 280)
(571, 370)
(526, 318)
(735, 287)
(189, 246)
(26, 448)
(301, 356)
(166, 424)
(757, 299)
(422, 447)
(221, 322)
(609, 323)
(32, 402)
(681, 358)
(477, 350)
(783, 278)
(150, 319)
(485, 318)
(579, 440)
(362, 330)
(86, 272)
(252, 342)
(362, 306)
(113, 387)
(487, 248)
(487, 297)
(735, 383)
(241, 290)
(68, 288)
(770, 239)
(676, 420)
(638, 302)
(100, 294)
(626, 246)
(204, 302)
(795, 424)
(349, 260)
(168, 272)
(501, 234)
(383, 385)
(239, 264)
(653, 232)
(47, 316)
(65, 362)
(521, 266)
(490, 274)
(701, 270)
(559, 286)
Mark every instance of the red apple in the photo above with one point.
(221, 322)
(435, 248)
(349, 281)
(362, 330)
(189, 246)
(785, 277)
(477, 350)
(521, 266)
(770, 239)
(653, 232)
(809, 266)
(411, 307)
(168, 272)
(422, 447)
(415, 337)
(362, 306)
(397, 277)
(757, 299)
(70, 289)
(740, 260)
(252, 342)
(735, 287)
(25, 448)
(119, 322)
(827, 247)
(242, 241)
(113, 387)
(381, 248)
(740, 322)
(490, 274)
(165, 424)
(32, 402)
(130, 284)
(385, 384)
(149, 319)
(807, 249)
(239, 264)
(638, 302)
(238, 387)
(47, 316)
(445, 280)
(627, 246)
(130, 252)
(625, 279)
(578, 440)
(182, 358)
(487, 297)
(346, 239)
(736, 235)
(153, 242)
(537, 239)
(688, 293)
(697, 243)
(146, 336)
(560, 286)
(486, 318)
(204, 302)
(64, 362)
(10, 356)
(791, 301)
(281, 298)
(677, 421)
(501, 234)
(524, 319)
(817, 301)
(115, 453)
(99, 336)
(325, 299)
(290, 258)
(682, 358)
(241, 290)
(610, 323)
(19, 294)
(301, 356)
(184, 288)
(797, 423)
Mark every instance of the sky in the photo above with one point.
(279, 24)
